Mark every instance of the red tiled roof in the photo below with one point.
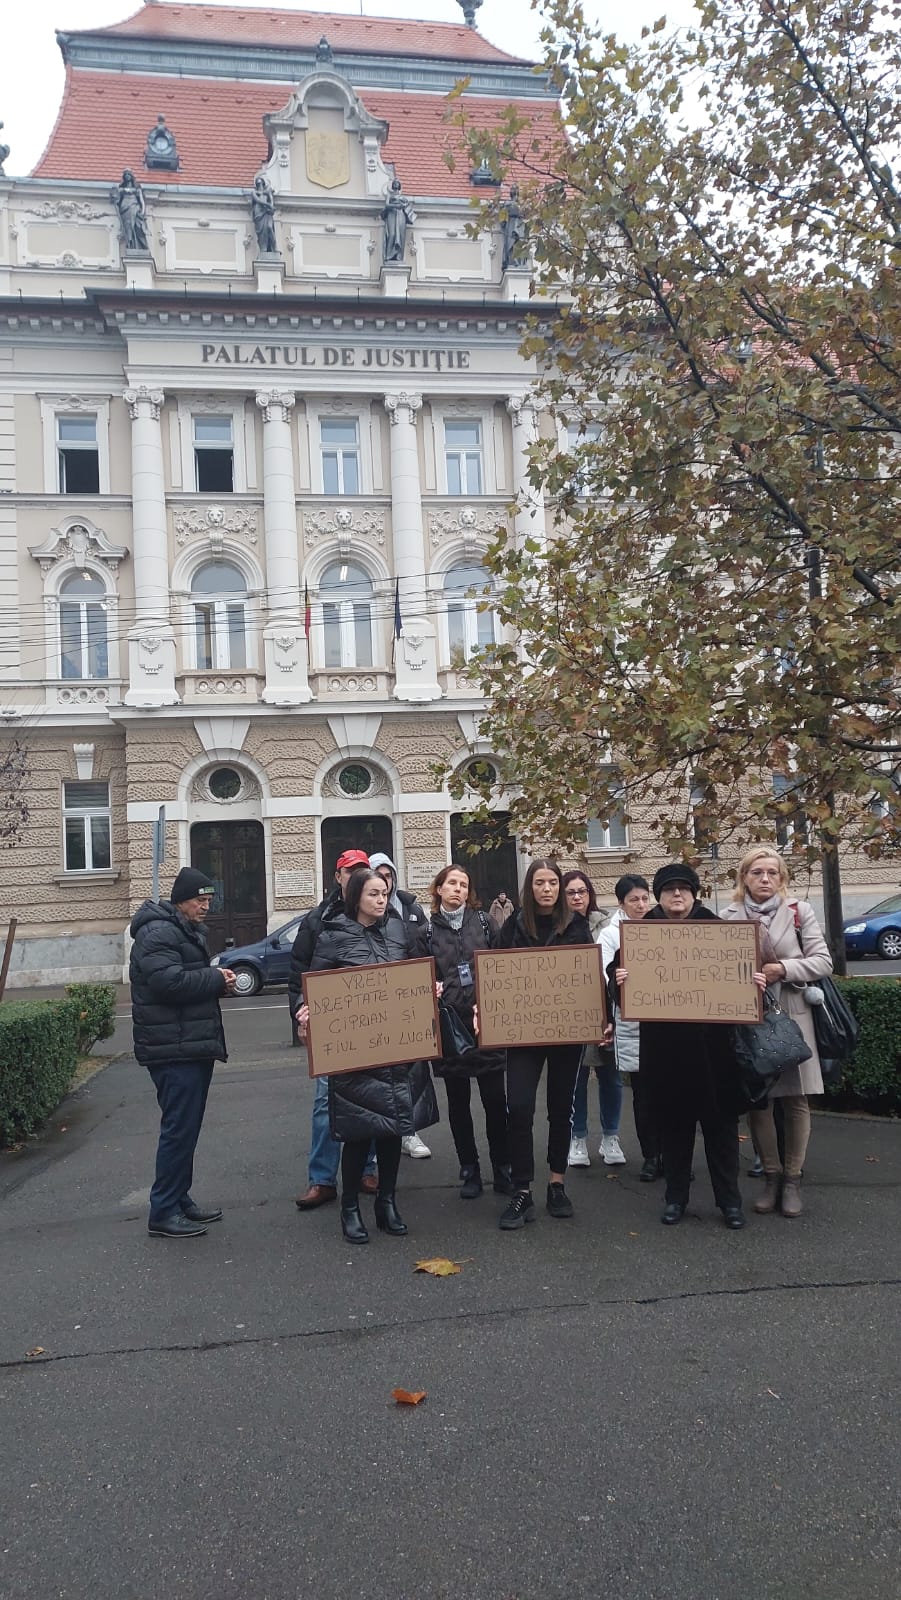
(105, 117)
(293, 29)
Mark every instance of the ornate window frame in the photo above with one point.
(77, 545)
(63, 405)
(382, 592)
(199, 554)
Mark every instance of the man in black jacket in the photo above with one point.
(325, 1152)
(178, 1036)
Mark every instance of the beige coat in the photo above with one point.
(800, 968)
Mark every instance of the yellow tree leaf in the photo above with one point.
(408, 1397)
(438, 1267)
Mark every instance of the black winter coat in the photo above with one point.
(174, 990)
(305, 943)
(688, 1062)
(514, 935)
(450, 948)
(383, 1101)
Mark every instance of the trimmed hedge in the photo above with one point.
(97, 1006)
(40, 1043)
(871, 1080)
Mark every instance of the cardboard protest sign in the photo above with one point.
(378, 1016)
(548, 996)
(690, 972)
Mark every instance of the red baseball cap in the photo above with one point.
(352, 858)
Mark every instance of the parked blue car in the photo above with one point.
(877, 931)
(264, 962)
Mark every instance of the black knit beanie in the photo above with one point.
(676, 872)
(189, 883)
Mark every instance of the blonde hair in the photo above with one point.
(760, 852)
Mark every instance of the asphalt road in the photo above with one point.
(662, 1414)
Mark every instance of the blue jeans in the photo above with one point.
(181, 1090)
(325, 1152)
(610, 1100)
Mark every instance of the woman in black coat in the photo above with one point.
(542, 920)
(690, 1074)
(453, 934)
(384, 1103)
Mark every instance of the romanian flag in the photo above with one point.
(307, 613)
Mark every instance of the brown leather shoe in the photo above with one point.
(318, 1194)
(369, 1183)
(769, 1200)
(791, 1197)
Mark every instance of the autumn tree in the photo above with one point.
(712, 627)
(15, 776)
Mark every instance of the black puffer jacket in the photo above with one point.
(174, 990)
(374, 1104)
(452, 948)
(305, 943)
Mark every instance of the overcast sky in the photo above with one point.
(31, 72)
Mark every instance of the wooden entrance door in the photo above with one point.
(371, 834)
(494, 867)
(233, 857)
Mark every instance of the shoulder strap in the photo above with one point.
(486, 925)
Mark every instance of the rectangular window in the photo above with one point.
(792, 827)
(86, 827)
(77, 454)
(463, 457)
(577, 435)
(340, 456)
(214, 455)
(220, 636)
(610, 833)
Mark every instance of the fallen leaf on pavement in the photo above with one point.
(407, 1397)
(873, 1158)
(774, 1394)
(438, 1267)
(37, 1351)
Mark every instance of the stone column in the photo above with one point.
(529, 521)
(151, 641)
(284, 645)
(415, 652)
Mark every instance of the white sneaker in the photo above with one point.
(413, 1146)
(578, 1153)
(611, 1150)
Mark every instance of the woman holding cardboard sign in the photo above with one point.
(689, 1071)
(795, 955)
(453, 934)
(543, 919)
(384, 1103)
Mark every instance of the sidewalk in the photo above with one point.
(672, 1414)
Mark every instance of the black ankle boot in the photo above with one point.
(352, 1223)
(387, 1216)
(472, 1182)
(503, 1183)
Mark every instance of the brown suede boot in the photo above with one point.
(791, 1197)
(772, 1188)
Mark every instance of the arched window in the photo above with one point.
(219, 598)
(468, 627)
(345, 591)
(83, 646)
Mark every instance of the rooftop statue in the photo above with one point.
(262, 209)
(515, 232)
(398, 213)
(128, 199)
(4, 152)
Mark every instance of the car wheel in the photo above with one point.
(247, 980)
(889, 944)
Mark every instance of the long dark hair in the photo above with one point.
(356, 883)
(472, 898)
(570, 877)
(561, 914)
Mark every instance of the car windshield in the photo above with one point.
(893, 903)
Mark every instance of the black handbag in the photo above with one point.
(835, 1027)
(764, 1050)
(456, 1038)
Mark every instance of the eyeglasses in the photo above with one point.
(577, 894)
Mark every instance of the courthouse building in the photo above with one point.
(254, 440)
(262, 410)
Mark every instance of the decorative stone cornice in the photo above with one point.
(346, 525)
(214, 523)
(76, 539)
